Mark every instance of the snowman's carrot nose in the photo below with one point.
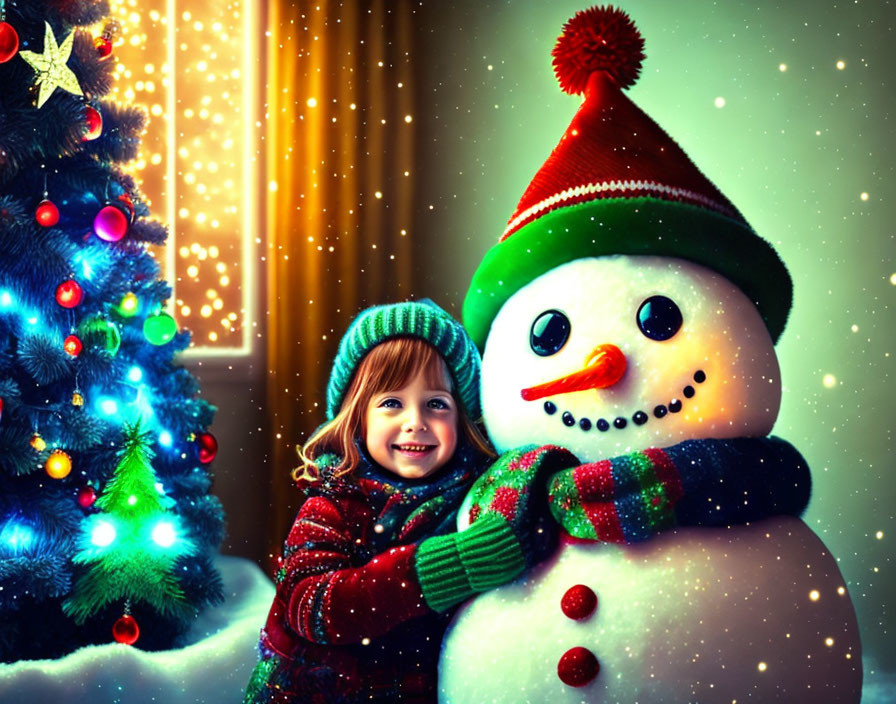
(603, 368)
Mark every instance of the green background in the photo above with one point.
(793, 150)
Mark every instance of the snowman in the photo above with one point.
(629, 314)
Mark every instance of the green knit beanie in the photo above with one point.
(423, 319)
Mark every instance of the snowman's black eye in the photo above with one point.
(549, 333)
(659, 318)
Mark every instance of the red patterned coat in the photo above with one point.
(349, 622)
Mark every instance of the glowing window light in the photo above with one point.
(165, 439)
(164, 534)
(103, 534)
(200, 86)
(135, 374)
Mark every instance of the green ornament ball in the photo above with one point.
(159, 329)
(97, 331)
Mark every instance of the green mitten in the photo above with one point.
(452, 568)
(625, 499)
(515, 487)
(505, 535)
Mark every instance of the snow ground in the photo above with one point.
(213, 669)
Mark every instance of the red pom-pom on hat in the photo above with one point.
(598, 39)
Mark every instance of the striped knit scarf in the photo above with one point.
(632, 497)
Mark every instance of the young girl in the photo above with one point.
(372, 565)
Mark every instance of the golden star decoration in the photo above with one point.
(52, 72)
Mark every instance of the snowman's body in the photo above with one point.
(747, 613)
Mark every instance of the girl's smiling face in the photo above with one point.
(412, 431)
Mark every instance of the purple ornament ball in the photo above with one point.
(110, 224)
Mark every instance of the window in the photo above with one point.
(192, 64)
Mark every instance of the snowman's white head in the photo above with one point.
(611, 354)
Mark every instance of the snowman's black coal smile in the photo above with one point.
(638, 418)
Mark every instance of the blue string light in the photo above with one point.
(17, 536)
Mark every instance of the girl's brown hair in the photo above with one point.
(390, 365)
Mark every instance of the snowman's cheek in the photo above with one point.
(509, 419)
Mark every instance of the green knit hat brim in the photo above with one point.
(643, 225)
(423, 319)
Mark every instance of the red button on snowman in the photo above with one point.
(629, 314)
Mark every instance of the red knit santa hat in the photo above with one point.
(618, 184)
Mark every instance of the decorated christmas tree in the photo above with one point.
(105, 511)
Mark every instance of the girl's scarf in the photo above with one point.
(407, 510)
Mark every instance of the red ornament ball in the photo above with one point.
(126, 630)
(93, 122)
(577, 667)
(69, 294)
(110, 223)
(9, 42)
(579, 602)
(103, 46)
(208, 447)
(47, 214)
(86, 496)
(73, 345)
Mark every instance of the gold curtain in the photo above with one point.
(339, 154)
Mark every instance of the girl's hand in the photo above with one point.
(506, 533)
(514, 487)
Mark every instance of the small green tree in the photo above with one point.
(132, 545)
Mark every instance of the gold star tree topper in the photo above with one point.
(52, 72)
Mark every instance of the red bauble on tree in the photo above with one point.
(93, 122)
(103, 43)
(207, 447)
(73, 345)
(126, 630)
(9, 42)
(103, 46)
(86, 496)
(47, 214)
(69, 294)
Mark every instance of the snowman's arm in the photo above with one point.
(770, 477)
(707, 482)
(327, 596)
